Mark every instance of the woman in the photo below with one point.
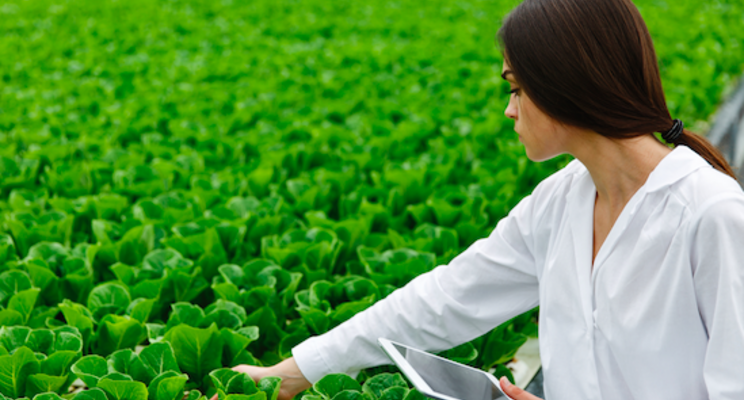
(634, 251)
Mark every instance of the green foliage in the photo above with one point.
(196, 349)
(378, 384)
(123, 390)
(234, 385)
(332, 385)
(37, 361)
(15, 371)
(383, 386)
(185, 188)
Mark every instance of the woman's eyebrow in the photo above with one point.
(505, 73)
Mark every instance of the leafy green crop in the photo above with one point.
(152, 374)
(34, 361)
(384, 386)
(188, 186)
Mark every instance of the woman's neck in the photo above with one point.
(619, 167)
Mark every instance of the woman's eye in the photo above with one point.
(514, 91)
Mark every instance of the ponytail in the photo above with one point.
(706, 150)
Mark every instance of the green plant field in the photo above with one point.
(187, 186)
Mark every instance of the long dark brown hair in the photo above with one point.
(592, 64)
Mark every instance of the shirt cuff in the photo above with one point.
(309, 359)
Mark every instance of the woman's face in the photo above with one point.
(542, 136)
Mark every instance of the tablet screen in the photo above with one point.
(449, 378)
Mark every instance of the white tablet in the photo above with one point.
(440, 378)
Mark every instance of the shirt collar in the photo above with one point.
(682, 161)
(679, 163)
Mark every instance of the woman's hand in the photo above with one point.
(515, 392)
(293, 382)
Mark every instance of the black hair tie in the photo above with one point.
(674, 132)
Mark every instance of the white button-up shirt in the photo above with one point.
(660, 315)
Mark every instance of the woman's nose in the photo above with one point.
(511, 110)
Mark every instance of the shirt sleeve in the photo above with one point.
(489, 283)
(718, 267)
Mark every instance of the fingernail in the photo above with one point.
(505, 382)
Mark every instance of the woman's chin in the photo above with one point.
(538, 156)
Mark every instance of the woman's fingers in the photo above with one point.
(515, 392)
(255, 372)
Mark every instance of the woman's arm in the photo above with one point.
(718, 267)
(489, 283)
